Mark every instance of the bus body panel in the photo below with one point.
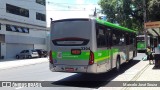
(121, 52)
(63, 56)
(80, 36)
(103, 59)
(141, 44)
(131, 50)
(70, 35)
(79, 69)
(114, 53)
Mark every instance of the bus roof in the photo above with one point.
(115, 26)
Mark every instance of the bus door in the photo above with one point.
(103, 52)
(109, 49)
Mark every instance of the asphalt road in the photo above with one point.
(58, 80)
(37, 72)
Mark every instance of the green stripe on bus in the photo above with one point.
(102, 59)
(115, 26)
(99, 56)
(69, 56)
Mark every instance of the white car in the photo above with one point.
(27, 54)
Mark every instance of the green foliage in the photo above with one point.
(154, 10)
(121, 11)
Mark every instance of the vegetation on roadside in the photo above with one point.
(129, 13)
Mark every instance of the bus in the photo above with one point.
(89, 45)
(141, 44)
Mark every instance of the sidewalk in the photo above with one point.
(141, 56)
(6, 64)
(142, 71)
(128, 75)
(150, 74)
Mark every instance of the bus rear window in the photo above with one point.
(71, 32)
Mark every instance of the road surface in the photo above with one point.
(60, 80)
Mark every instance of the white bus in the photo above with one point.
(85, 45)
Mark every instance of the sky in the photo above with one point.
(61, 9)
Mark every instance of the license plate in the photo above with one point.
(69, 69)
(76, 51)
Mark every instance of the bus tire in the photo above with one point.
(118, 64)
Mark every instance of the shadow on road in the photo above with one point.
(93, 80)
(156, 67)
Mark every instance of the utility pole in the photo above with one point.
(144, 18)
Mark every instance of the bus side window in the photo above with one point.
(116, 38)
(135, 41)
(127, 39)
(131, 39)
(122, 40)
(101, 36)
(109, 39)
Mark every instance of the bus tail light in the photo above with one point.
(50, 57)
(91, 58)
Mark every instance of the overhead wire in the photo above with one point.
(58, 10)
(65, 6)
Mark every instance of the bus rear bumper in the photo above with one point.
(73, 69)
(51, 67)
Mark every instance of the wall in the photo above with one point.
(37, 35)
(31, 5)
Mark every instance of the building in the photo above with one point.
(22, 26)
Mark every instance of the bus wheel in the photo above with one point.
(118, 64)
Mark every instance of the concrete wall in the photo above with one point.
(37, 35)
(31, 5)
(12, 49)
(24, 39)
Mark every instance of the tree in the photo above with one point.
(121, 11)
(153, 10)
